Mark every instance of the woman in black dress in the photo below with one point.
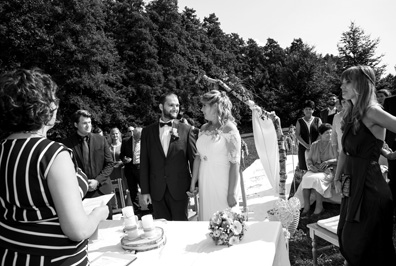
(365, 226)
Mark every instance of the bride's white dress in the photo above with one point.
(217, 152)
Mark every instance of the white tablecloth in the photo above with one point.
(188, 243)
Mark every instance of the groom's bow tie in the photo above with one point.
(169, 124)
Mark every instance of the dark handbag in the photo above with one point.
(345, 185)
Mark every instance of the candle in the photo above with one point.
(147, 221)
(130, 222)
(132, 232)
(148, 225)
(127, 212)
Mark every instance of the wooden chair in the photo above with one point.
(118, 189)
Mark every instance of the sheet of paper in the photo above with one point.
(113, 259)
(91, 203)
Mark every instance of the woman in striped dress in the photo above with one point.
(42, 220)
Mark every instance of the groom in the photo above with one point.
(166, 160)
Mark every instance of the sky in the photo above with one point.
(319, 23)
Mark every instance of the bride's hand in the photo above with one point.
(231, 200)
(192, 192)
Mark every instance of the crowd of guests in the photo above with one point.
(43, 182)
(343, 151)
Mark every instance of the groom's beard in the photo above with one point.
(170, 115)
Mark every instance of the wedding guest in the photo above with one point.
(216, 166)
(327, 114)
(130, 155)
(291, 140)
(336, 133)
(129, 132)
(382, 95)
(166, 158)
(98, 130)
(365, 225)
(93, 156)
(115, 149)
(42, 220)
(321, 161)
(306, 132)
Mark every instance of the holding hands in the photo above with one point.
(192, 192)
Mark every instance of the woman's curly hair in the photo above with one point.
(25, 99)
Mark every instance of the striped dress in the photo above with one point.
(29, 225)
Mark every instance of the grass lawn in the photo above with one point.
(300, 247)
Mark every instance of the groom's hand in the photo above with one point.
(146, 199)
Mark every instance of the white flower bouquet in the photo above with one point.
(227, 227)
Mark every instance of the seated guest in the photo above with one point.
(98, 130)
(321, 162)
(42, 220)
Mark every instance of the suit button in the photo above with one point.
(164, 176)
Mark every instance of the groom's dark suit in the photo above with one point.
(167, 178)
(390, 107)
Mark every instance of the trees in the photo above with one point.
(356, 48)
(115, 57)
(303, 77)
(65, 38)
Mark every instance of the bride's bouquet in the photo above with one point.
(227, 227)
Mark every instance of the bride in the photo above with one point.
(216, 166)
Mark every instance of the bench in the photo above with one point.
(317, 231)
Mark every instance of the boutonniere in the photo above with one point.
(174, 134)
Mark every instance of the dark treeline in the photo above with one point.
(115, 57)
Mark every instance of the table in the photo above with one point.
(316, 231)
(188, 243)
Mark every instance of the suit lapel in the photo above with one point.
(171, 142)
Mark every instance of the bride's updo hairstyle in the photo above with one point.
(224, 105)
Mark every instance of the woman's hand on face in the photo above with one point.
(231, 200)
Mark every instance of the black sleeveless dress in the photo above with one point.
(365, 227)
